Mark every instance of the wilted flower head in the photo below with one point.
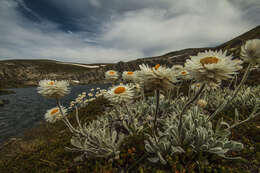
(120, 93)
(195, 86)
(209, 86)
(250, 51)
(157, 77)
(111, 75)
(212, 66)
(202, 103)
(53, 88)
(54, 114)
(128, 75)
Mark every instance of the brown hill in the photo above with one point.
(179, 57)
(17, 73)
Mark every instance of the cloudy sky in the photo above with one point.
(95, 31)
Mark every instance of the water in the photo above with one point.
(27, 107)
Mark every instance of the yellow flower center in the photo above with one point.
(111, 72)
(119, 90)
(51, 83)
(130, 73)
(209, 60)
(183, 72)
(54, 111)
(157, 66)
(197, 85)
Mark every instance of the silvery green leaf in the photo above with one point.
(204, 147)
(177, 149)
(236, 116)
(114, 135)
(153, 159)
(148, 148)
(223, 123)
(161, 158)
(234, 145)
(163, 137)
(232, 158)
(165, 147)
(218, 150)
(75, 142)
(126, 126)
(79, 158)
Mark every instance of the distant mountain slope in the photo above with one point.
(16, 73)
(19, 73)
(179, 57)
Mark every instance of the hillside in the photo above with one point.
(17, 73)
(179, 57)
(21, 73)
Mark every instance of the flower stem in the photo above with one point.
(251, 116)
(186, 106)
(192, 100)
(221, 107)
(157, 95)
(65, 119)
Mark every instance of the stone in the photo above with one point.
(2, 103)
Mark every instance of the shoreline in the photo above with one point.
(6, 92)
(9, 88)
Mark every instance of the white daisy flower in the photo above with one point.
(111, 75)
(120, 93)
(184, 74)
(177, 68)
(250, 51)
(53, 88)
(128, 75)
(90, 95)
(158, 77)
(137, 77)
(54, 114)
(210, 66)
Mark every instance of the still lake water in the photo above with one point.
(27, 107)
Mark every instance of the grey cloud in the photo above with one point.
(125, 29)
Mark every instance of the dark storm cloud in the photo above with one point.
(109, 31)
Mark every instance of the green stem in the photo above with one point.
(221, 107)
(252, 115)
(186, 106)
(192, 100)
(157, 95)
(65, 119)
